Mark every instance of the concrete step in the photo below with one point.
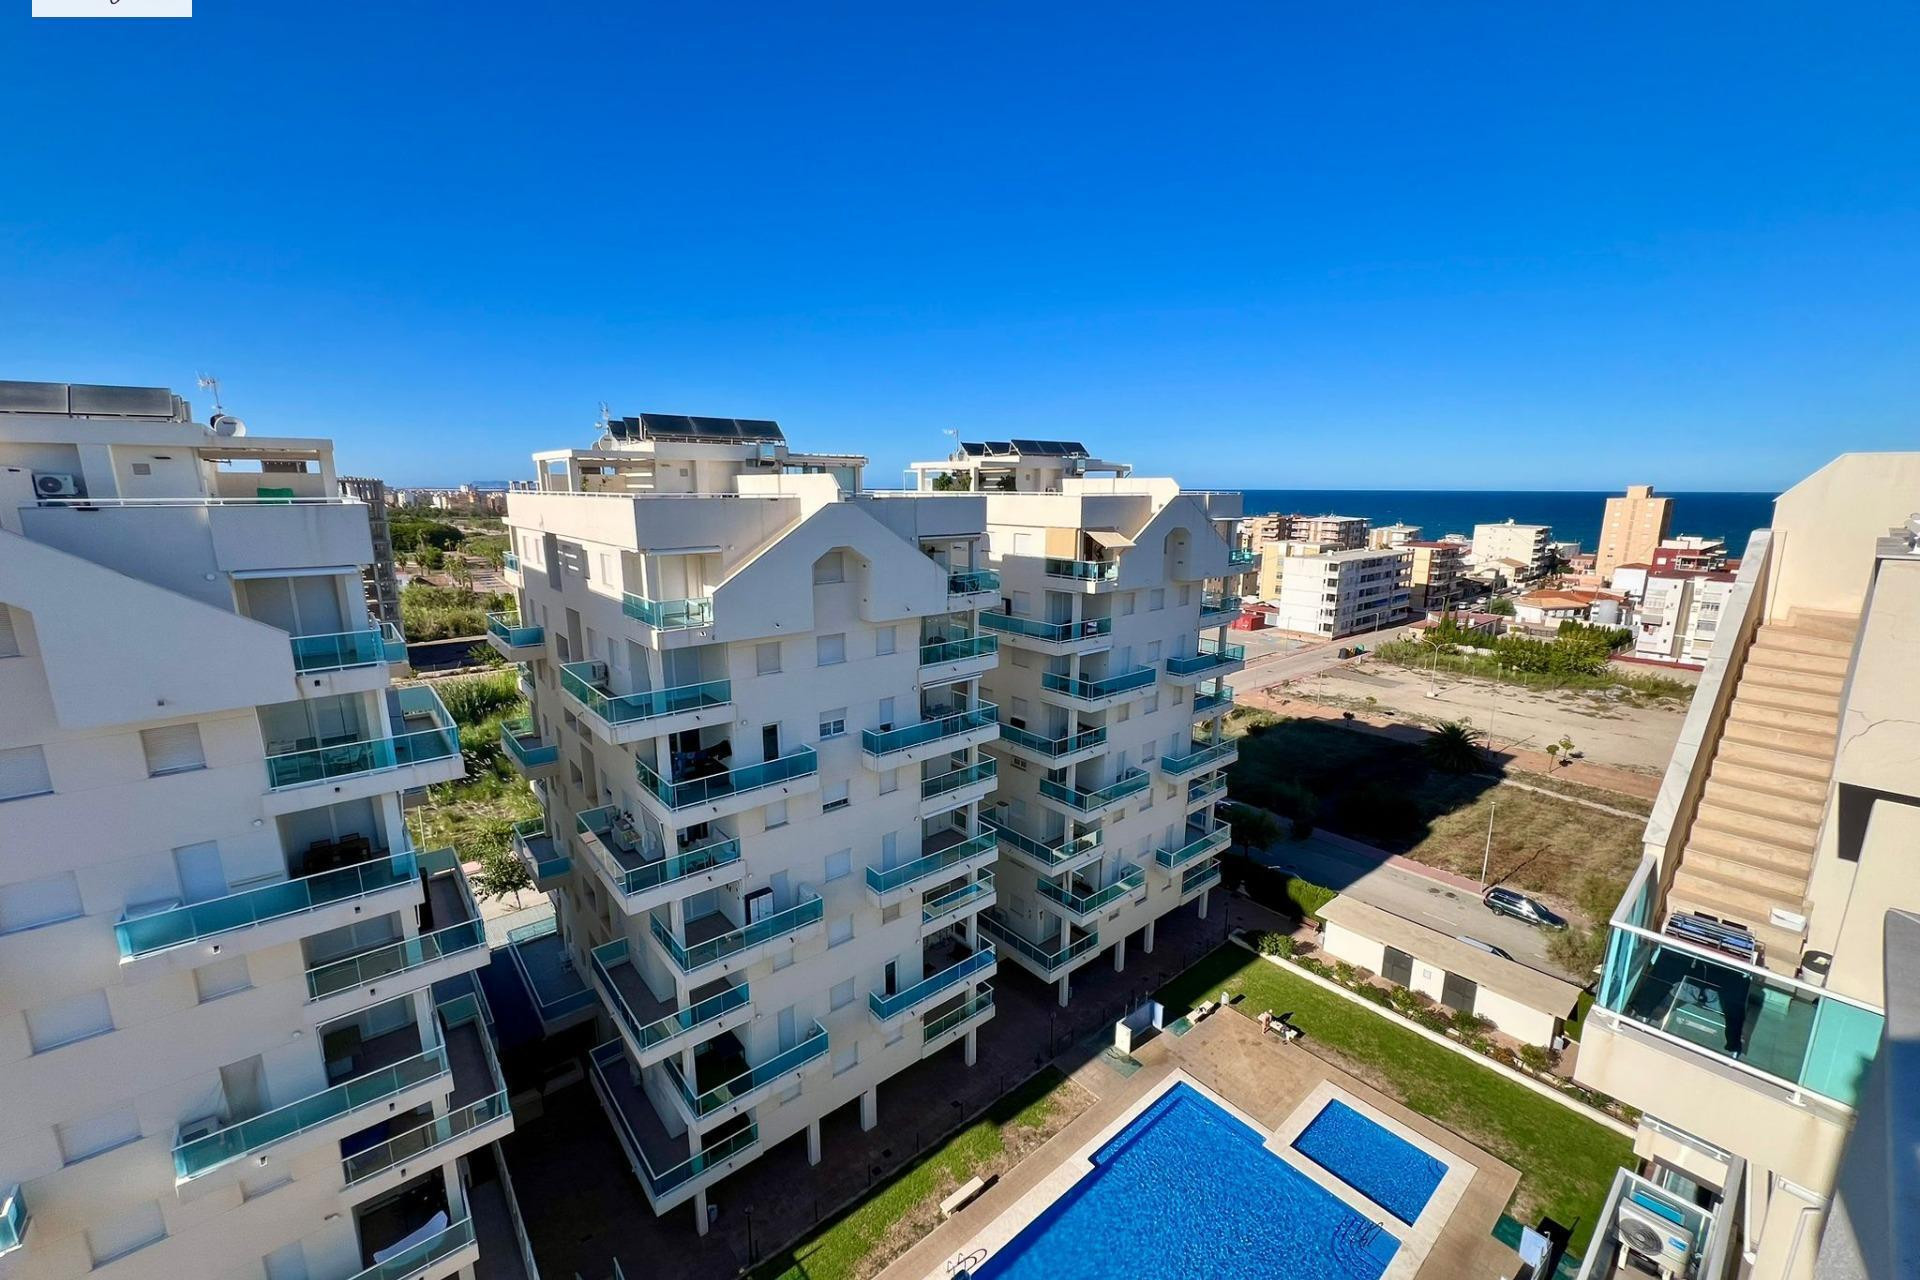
(1765, 801)
(1752, 850)
(1755, 779)
(1756, 713)
(1785, 669)
(1785, 833)
(1788, 764)
(1821, 622)
(1816, 745)
(1781, 888)
(1760, 693)
(1775, 636)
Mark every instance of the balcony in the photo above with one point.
(1089, 575)
(545, 858)
(1205, 791)
(1095, 802)
(1197, 880)
(622, 718)
(944, 1024)
(1053, 858)
(688, 614)
(426, 747)
(667, 1173)
(973, 582)
(510, 562)
(1099, 694)
(376, 646)
(1054, 753)
(952, 963)
(560, 997)
(532, 758)
(1085, 908)
(1242, 560)
(715, 946)
(1048, 960)
(722, 792)
(1217, 609)
(1199, 844)
(957, 656)
(654, 1028)
(14, 1220)
(645, 879)
(1207, 702)
(1214, 658)
(723, 1085)
(971, 898)
(947, 855)
(512, 641)
(454, 941)
(945, 731)
(1049, 637)
(437, 1256)
(1199, 756)
(309, 905)
(945, 792)
(1713, 1231)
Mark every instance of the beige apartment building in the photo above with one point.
(238, 1038)
(1743, 1002)
(1338, 533)
(1434, 573)
(1631, 528)
(1519, 552)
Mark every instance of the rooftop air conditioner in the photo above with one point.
(1649, 1232)
(54, 484)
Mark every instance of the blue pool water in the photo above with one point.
(1382, 1166)
(1188, 1191)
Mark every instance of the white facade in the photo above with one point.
(1679, 616)
(1334, 593)
(1530, 545)
(220, 1038)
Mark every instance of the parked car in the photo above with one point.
(1511, 902)
(1487, 947)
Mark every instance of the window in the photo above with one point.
(842, 995)
(174, 749)
(221, 978)
(833, 797)
(776, 814)
(31, 903)
(1150, 704)
(883, 640)
(134, 1229)
(840, 931)
(1125, 609)
(889, 782)
(846, 1059)
(829, 568)
(1156, 599)
(839, 865)
(766, 658)
(23, 772)
(9, 642)
(831, 650)
(65, 1021)
(833, 724)
(889, 914)
(94, 1134)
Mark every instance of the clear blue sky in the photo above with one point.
(1285, 245)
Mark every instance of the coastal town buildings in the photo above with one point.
(1519, 552)
(1632, 526)
(1320, 591)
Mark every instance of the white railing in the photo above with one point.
(195, 502)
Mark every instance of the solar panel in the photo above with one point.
(998, 447)
(678, 426)
(972, 450)
(1050, 448)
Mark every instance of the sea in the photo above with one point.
(1575, 517)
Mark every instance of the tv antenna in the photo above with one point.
(210, 383)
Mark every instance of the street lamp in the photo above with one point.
(1486, 857)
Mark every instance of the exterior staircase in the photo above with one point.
(1750, 850)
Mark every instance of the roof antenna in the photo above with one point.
(210, 383)
(955, 433)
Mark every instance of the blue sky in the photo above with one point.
(1281, 245)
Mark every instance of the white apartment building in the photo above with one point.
(1679, 615)
(1391, 537)
(1112, 690)
(1529, 546)
(233, 1040)
(756, 732)
(1317, 591)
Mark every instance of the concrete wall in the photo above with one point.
(1825, 528)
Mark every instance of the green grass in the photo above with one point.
(838, 1250)
(1566, 1161)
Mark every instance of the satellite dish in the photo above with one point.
(227, 425)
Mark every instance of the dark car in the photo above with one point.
(1511, 902)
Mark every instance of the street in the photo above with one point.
(1272, 658)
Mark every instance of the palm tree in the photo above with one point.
(1454, 747)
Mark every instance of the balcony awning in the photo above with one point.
(1108, 539)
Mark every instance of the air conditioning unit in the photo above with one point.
(1657, 1237)
(55, 484)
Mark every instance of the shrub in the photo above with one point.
(472, 699)
(1537, 1059)
(1405, 999)
(1468, 1023)
(1433, 1019)
(1344, 973)
(1372, 994)
(1277, 944)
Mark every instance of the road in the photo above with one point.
(1438, 904)
(1272, 658)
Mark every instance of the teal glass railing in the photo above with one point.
(511, 561)
(13, 1220)
(141, 935)
(972, 582)
(1130, 783)
(874, 742)
(1082, 904)
(522, 742)
(1055, 632)
(437, 1132)
(784, 1063)
(1048, 855)
(954, 779)
(544, 927)
(966, 1011)
(887, 1007)
(647, 1034)
(598, 824)
(954, 901)
(733, 782)
(1212, 654)
(507, 629)
(1053, 748)
(612, 1057)
(1208, 701)
(1200, 790)
(932, 864)
(1212, 602)
(348, 759)
(372, 646)
(546, 863)
(1125, 682)
(669, 615)
(1196, 878)
(411, 1262)
(1048, 956)
(1083, 570)
(1199, 847)
(396, 957)
(957, 648)
(701, 954)
(583, 681)
(200, 1155)
(1240, 560)
(1202, 755)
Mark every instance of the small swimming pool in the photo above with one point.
(1379, 1164)
(1188, 1190)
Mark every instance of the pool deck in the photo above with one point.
(1269, 1083)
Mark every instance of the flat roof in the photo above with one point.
(1509, 978)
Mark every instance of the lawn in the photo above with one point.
(892, 1219)
(1566, 1162)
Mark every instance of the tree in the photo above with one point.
(501, 874)
(1252, 828)
(952, 482)
(1453, 747)
(1500, 606)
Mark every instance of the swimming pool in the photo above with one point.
(1379, 1164)
(1188, 1190)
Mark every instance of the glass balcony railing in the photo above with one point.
(201, 1155)
(1050, 956)
(1212, 654)
(732, 782)
(1242, 559)
(972, 582)
(955, 901)
(1208, 701)
(669, 615)
(887, 1007)
(609, 1057)
(1082, 904)
(955, 779)
(1055, 632)
(957, 649)
(1201, 755)
(547, 858)
(396, 957)
(372, 646)
(1132, 782)
(785, 1063)
(698, 955)
(142, 935)
(373, 755)
(879, 743)
(1223, 607)
(647, 1034)
(1105, 687)
(1197, 878)
(511, 561)
(932, 864)
(598, 823)
(412, 1261)
(1048, 855)
(414, 1143)
(522, 742)
(935, 1027)
(584, 680)
(1054, 748)
(1083, 570)
(507, 629)
(1199, 847)
(1204, 790)
(13, 1220)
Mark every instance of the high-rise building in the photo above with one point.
(1742, 1006)
(240, 1038)
(1318, 590)
(1631, 528)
